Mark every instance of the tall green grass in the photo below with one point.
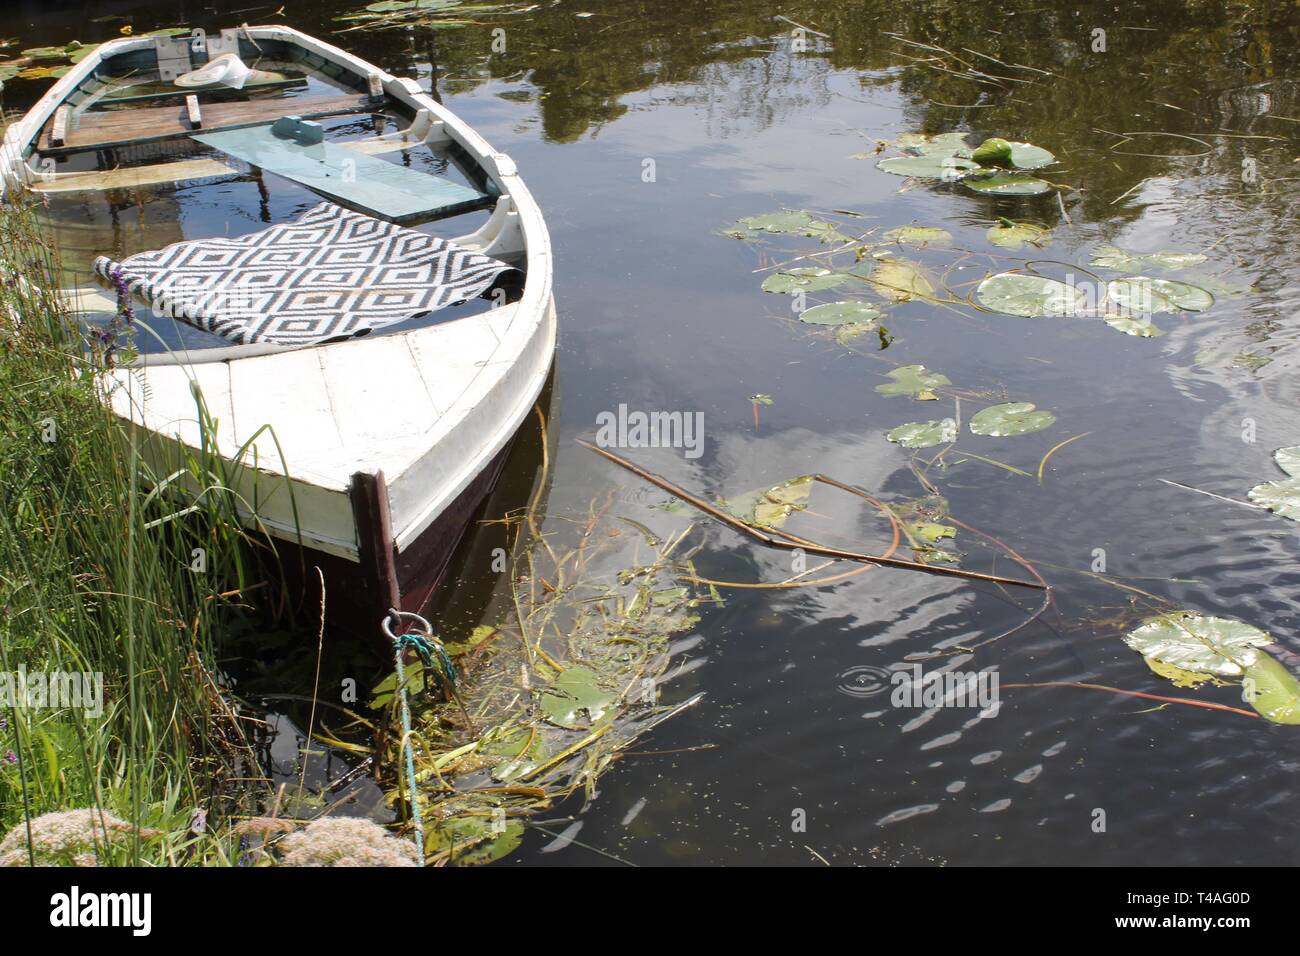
(97, 574)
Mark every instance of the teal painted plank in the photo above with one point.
(365, 183)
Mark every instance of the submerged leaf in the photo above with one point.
(841, 313)
(918, 235)
(1132, 325)
(1195, 642)
(809, 279)
(1010, 418)
(913, 380)
(771, 506)
(1113, 257)
(924, 434)
(1013, 235)
(901, 279)
(1018, 293)
(1180, 677)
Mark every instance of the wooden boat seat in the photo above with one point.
(101, 130)
(296, 149)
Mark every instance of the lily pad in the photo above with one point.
(773, 505)
(947, 168)
(1181, 677)
(1272, 690)
(789, 223)
(572, 694)
(919, 235)
(1019, 293)
(1006, 184)
(940, 144)
(900, 279)
(1010, 418)
(777, 503)
(1288, 459)
(932, 531)
(1280, 497)
(1113, 257)
(809, 279)
(1013, 235)
(1144, 294)
(841, 313)
(1196, 642)
(913, 380)
(473, 840)
(924, 434)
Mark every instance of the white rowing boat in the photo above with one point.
(356, 426)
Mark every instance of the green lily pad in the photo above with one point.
(1195, 642)
(777, 503)
(940, 144)
(900, 279)
(1280, 497)
(919, 235)
(573, 693)
(946, 168)
(1029, 156)
(1272, 690)
(1113, 257)
(924, 434)
(1010, 418)
(913, 380)
(932, 531)
(472, 839)
(790, 223)
(1019, 293)
(773, 505)
(841, 313)
(1144, 294)
(809, 279)
(1006, 184)
(1013, 235)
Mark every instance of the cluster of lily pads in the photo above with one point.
(42, 62)
(997, 167)
(995, 421)
(1191, 649)
(426, 14)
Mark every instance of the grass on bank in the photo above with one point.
(97, 575)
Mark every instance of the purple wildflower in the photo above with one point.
(10, 757)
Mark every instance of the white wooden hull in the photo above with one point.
(427, 410)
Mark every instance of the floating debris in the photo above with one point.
(924, 434)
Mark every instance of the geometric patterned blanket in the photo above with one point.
(332, 273)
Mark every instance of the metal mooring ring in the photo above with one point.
(396, 618)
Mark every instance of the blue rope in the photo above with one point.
(427, 648)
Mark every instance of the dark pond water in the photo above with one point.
(784, 760)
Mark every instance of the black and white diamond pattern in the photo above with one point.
(332, 273)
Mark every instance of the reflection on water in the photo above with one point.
(1180, 134)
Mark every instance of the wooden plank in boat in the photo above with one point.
(378, 188)
(134, 177)
(119, 127)
(160, 92)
